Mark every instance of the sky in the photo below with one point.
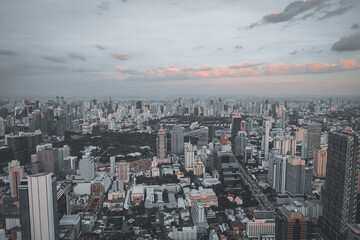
(188, 47)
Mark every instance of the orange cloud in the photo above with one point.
(120, 56)
(349, 64)
(245, 69)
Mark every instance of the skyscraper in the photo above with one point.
(290, 225)
(320, 159)
(189, 156)
(87, 168)
(24, 209)
(161, 144)
(123, 171)
(266, 136)
(16, 173)
(240, 144)
(339, 195)
(177, 140)
(235, 126)
(43, 206)
(313, 140)
(298, 176)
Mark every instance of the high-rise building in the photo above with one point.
(211, 134)
(320, 159)
(161, 144)
(87, 167)
(240, 144)
(313, 140)
(189, 156)
(290, 225)
(199, 167)
(277, 173)
(177, 140)
(43, 206)
(2, 127)
(235, 126)
(16, 173)
(48, 156)
(304, 145)
(340, 192)
(112, 166)
(123, 171)
(24, 209)
(298, 176)
(283, 118)
(266, 136)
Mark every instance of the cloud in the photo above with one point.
(100, 47)
(77, 57)
(7, 52)
(120, 56)
(347, 43)
(355, 26)
(245, 69)
(54, 59)
(292, 10)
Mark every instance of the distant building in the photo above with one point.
(87, 167)
(16, 173)
(240, 144)
(161, 144)
(235, 126)
(298, 176)
(313, 139)
(123, 171)
(319, 162)
(189, 156)
(177, 140)
(199, 167)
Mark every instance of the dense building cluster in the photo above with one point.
(184, 168)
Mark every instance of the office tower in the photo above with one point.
(203, 137)
(2, 127)
(69, 163)
(161, 144)
(48, 156)
(277, 173)
(112, 166)
(199, 167)
(304, 145)
(266, 136)
(298, 176)
(16, 173)
(87, 167)
(177, 140)
(235, 126)
(339, 194)
(43, 206)
(198, 212)
(319, 162)
(283, 118)
(63, 153)
(123, 171)
(290, 225)
(240, 144)
(138, 105)
(24, 209)
(249, 125)
(211, 132)
(189, 156)
(313, 139)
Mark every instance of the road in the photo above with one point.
(263, 200)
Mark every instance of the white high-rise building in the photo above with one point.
(87, 167)
(42, 207)
(112, 166)
(189, 156)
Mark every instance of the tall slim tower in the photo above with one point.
(320, 158)
(266, 136)
(177, 140)
(123, 171)
(339, 195)
(189, 156)
(43, 206)
(235, 126)
(314, 139)
(16, 173)
(161, 144)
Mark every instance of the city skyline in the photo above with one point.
(138, 48)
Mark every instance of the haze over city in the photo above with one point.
(159, 47)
